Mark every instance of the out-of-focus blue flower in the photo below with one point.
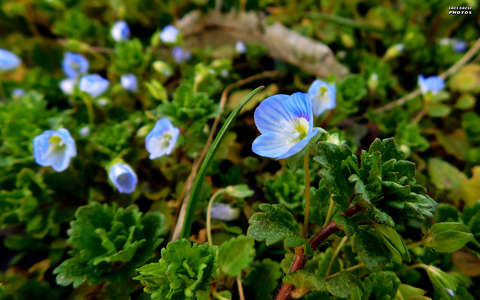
(169, 34)
(162, 139)
(180, 55)
(459, 46)
(240, 47)
(433, 84)
(74, 64)
(225, 212)
(67, 85)
(322, 95)
(120, 31)
(129, 82)
(54, 148)
(93, 84)
(17, 93)
(8, 60)
(84, 131)
(286, 125)
(123, 178)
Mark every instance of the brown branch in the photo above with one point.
(217, 29)
(180, 211)
(452, 70)
(315, 241)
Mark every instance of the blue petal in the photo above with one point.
(300, 145)
(222, 211)
(154, 139)
(320, 107)
(129, 82)
(180, 55)
(123, 178)
(8, 60)
(57, 159)
(93, 84)
(432, 84)
(271, 145)
(169, 34)
(74, 64)
(120, 31)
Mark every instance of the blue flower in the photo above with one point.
(8, 60)
(169, 34)
(433, 84)
(67, 85)
(286, 125)
(74, 64)
(120, 31)
(129, 82)
(162, 139)
(224, 212)
(459, 46)
(322, 95)
(17, 93)
(93, 84)
(54, 148)
(180, 55)
(240, 47)
(123, 178)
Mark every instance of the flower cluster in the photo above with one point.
(286, 121)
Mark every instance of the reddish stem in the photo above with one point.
(315, 241)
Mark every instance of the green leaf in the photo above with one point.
(183, 270)
(444, 175)
(302, 279)
(194, 194)
(263, 278)
(239, 191)
(394, 242)
(345, 285)
(236, 254)
(442, 282)
(157, 90)
(438, 110)
(272, 225)
(408, 292)
(448, 237)
(371, 248)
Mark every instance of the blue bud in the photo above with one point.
(162, 139)
(433, 84)
(169, 34)
(225, 212)
(74, 64)
(67, 85)
(129, 82)
(123, 178)
(17, 93)
(93, 84)
(54, 148)
(180, 55)
(459, 46)
(120, 31)
(240, 47)
(8, 60)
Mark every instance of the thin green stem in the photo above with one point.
(209, 214)
(306, 168)
(331, 208)
(346, 270)
(413, 245)
(423, 266)
(88, 104)
(337, 250)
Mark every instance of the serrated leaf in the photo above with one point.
(263, 278)
(236, 254)
(272, 225)
(448, 237)
(371, 248)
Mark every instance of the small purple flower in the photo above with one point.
(162, 139)
(67, 85)
(169, 34)
(17, 93)
(8, 60)
(240, 47)
(180, 55)
(74, 64)
(322, 95)
(123, 178)
(459, 46)
(54, 148)
(93, 84)
(129, 82)
(433, 84)
(286, 125)
(120, 31)
(224, 212)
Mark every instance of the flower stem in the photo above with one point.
(209, 215)
(337, 250)
(306, 159)
(346, 270)
(88, 104)
(331, 207)
(240, 287)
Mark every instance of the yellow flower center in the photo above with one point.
(56, 143)
(301, 129)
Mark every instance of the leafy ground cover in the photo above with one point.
(239, 149)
